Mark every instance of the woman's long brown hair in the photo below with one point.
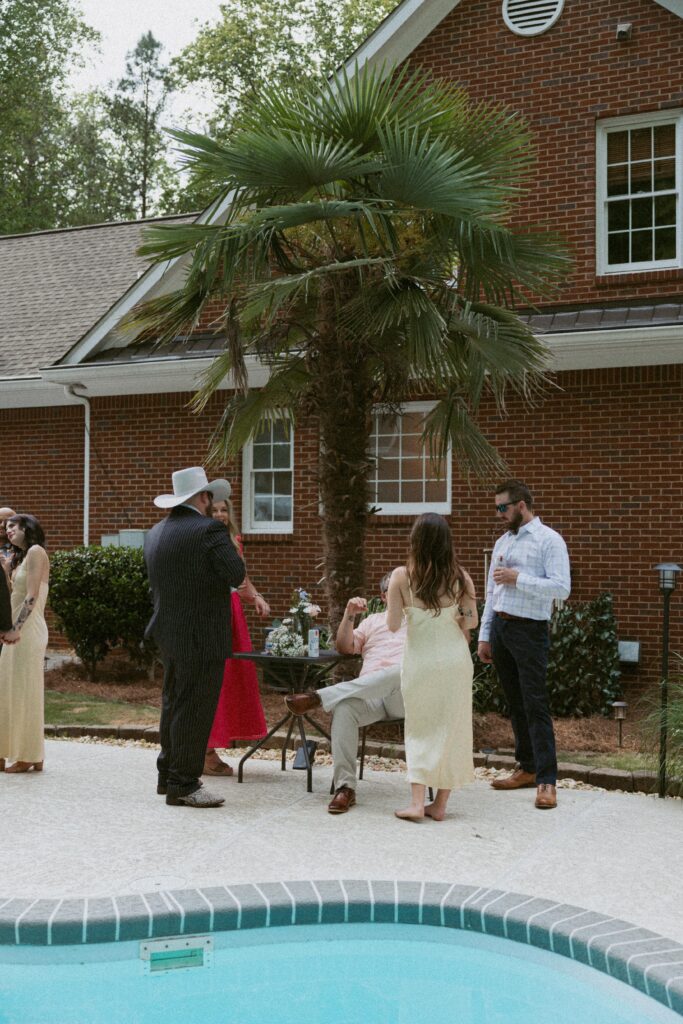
(433, 569)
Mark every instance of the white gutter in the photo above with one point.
(70, 389)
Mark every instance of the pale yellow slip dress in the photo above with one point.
(436, 683)
(22, 718)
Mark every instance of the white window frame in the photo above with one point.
(249, 524)
(603, 129)
(385, 508)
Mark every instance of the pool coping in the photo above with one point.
(648, 962)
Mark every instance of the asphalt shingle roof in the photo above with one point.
(55, 285)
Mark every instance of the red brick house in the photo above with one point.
(601, 85)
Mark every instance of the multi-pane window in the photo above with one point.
(639, 194)
(404, 480)
(268, 465)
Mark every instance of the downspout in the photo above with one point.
(70, 390)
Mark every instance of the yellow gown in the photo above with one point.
(436, 683)
(22, 717)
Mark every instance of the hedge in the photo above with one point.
(100, 597)
(583, 666)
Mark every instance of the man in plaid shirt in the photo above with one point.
(529, 570)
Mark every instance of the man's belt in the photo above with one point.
(515, 618)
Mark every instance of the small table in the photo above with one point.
(293, 675)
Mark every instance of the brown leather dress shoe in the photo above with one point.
(342, 801)
(300, 703)
(518, 780)
(546, 796)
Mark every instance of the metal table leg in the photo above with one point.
(259, 743)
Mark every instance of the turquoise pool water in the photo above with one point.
(320, 974)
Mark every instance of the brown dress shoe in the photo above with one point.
(518, 780)
(546, 796)
(342, 801)
(300, 703)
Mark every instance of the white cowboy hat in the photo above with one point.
(187, 483)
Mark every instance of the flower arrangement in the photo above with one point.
(289, 637)
(283, 642)
(303, 611)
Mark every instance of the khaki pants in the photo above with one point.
(355, 703)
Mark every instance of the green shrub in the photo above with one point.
(583, 667)
(100, 597)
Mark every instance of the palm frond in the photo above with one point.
(500, 263)
(428, 174)
(267, 298)
(449, 423)
(279, 399)
(275, 159)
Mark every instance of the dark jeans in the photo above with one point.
(520, 655)
(188, 705)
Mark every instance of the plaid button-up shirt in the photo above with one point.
(540, 557)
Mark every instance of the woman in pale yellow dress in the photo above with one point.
(22, 659)
(437, 597)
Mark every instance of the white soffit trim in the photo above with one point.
(633, 346)
(31, 393)
(400, 33)
(146, 377)
(675, 6)
(575, 350)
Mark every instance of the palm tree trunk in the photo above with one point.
(344, 409)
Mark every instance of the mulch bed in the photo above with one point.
(117, 680)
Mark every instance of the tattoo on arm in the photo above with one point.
(24, 612)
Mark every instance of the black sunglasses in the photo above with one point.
(506, 505)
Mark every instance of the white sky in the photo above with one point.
(121, 23)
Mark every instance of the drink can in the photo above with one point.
(314, 643)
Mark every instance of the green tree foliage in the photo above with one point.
(258, 43)
(39, 44)
(365, 255)
(135, 111)
(95, 170)
(68, 160)
(100, 597)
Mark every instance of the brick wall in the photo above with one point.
(562, 82)
(602, 455)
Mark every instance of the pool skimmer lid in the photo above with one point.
(175, 954)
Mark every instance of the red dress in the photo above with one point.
(239, 715)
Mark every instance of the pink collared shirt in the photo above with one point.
(379, 646)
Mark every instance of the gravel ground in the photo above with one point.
(373, 761)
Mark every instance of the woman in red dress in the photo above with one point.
(239, 715)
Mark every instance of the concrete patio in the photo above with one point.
(92, 825)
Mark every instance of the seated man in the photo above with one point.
(374, 696)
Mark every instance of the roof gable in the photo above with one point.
(410, 23)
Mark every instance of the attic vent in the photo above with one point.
(531, 17)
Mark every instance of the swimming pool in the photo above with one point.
(336, 974)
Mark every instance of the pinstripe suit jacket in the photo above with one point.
(191, 563)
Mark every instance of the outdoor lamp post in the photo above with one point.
(619, 714)
(668, 572)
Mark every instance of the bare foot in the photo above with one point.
(434, 812)
(214, 765)
(411, 813)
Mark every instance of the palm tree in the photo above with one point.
(365, 254)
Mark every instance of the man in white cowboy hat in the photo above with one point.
(191, 564)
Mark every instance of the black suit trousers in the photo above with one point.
(188, 705)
